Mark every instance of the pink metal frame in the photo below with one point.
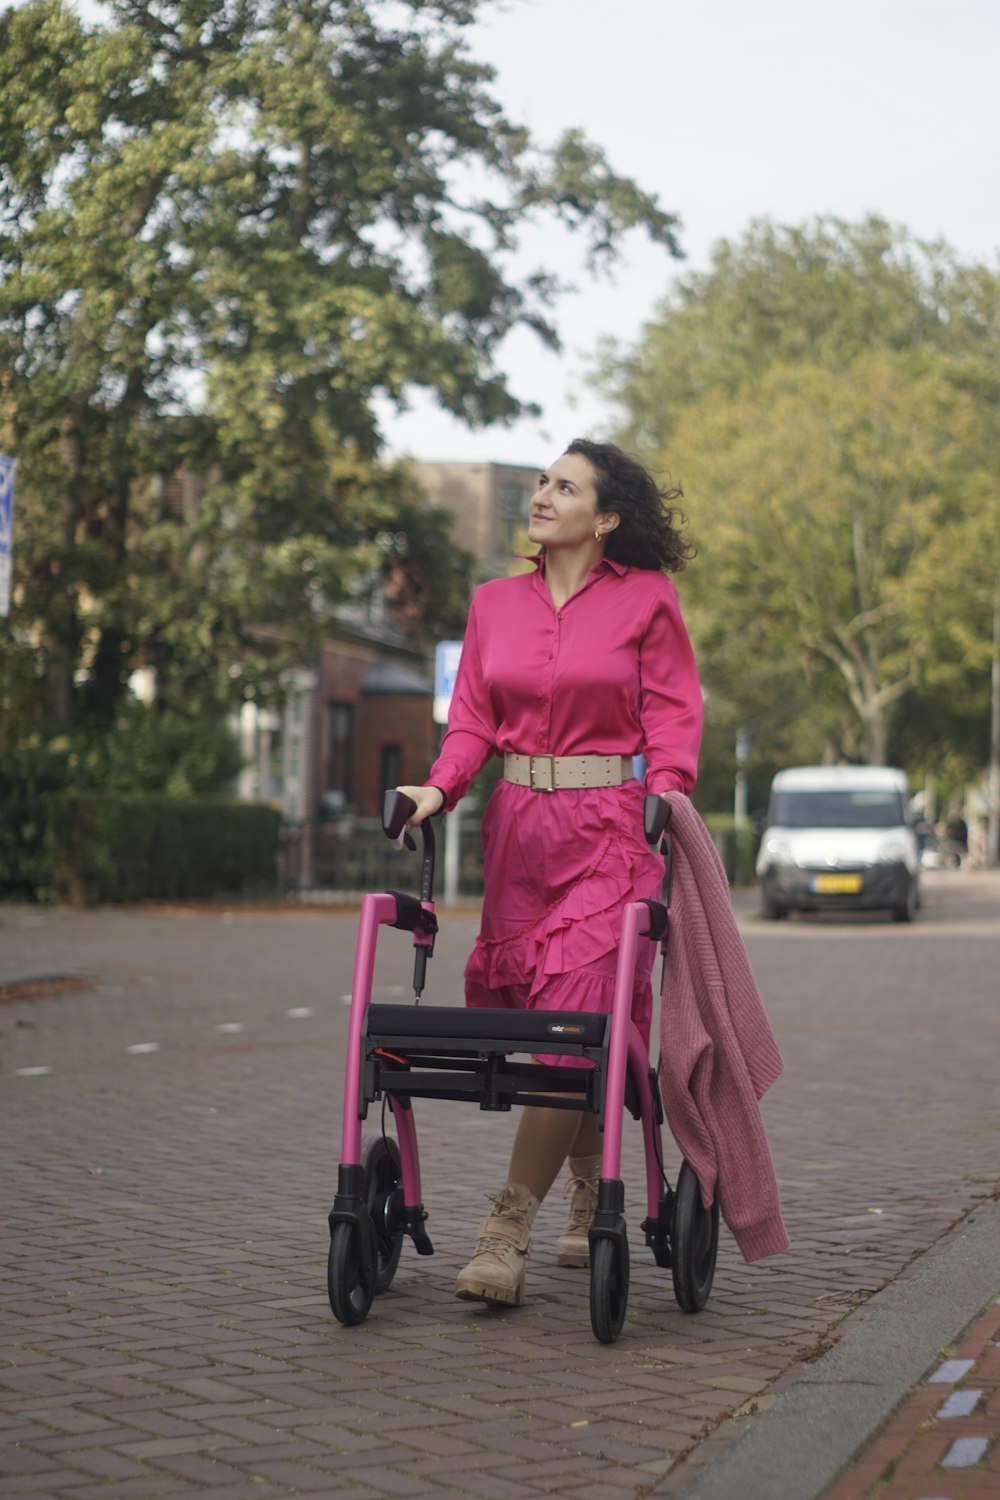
(625, 1050)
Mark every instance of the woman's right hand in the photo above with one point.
(429, 800)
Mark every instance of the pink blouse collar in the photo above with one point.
(538, 558)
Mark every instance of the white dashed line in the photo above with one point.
(137, 1047)
(32, 1072)
(302, 1012)
(230, 1026)
(961, 1403)
(950, 1371)
(382, 989)
(965, 1452)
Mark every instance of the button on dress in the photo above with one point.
(610, 673)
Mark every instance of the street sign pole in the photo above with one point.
(8, 468)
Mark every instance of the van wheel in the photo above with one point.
(908, 910)
(771, 911)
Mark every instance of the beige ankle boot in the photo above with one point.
(496, 1271)
(574, 1244)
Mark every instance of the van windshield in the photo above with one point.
(856, 807)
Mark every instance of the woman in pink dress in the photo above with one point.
(568, 672)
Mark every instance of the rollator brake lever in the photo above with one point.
(417, 917)
(657, 813)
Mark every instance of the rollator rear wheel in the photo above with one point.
(384, 1176)
(350, 1270)
(695, 1243)
(608, 1289)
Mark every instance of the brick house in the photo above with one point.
(489, 503)
(356, 722)
(360, 718)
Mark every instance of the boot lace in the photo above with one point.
(584, 1204)
(493, 1244)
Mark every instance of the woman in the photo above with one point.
(568, 672)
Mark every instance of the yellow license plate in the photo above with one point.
(836, 885)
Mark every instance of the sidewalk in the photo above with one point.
(905, 1406)
(944, 1440)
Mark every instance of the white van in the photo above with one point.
(838, 839)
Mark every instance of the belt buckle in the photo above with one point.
(535, 769)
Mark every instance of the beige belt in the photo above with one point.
(556, 773)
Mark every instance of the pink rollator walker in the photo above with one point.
(398, 1053)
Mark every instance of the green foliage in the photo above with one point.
(822, 293)
(148, 750)
(33, 773)
(826, 395)
(227, 232)
(737, 846)
(110, 847)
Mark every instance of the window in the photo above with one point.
(853, 808)
(392, 766)
(513, 502)
(339, 747)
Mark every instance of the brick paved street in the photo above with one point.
(172, 1132)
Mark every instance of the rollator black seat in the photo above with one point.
(439, 1027)
(449, 1052)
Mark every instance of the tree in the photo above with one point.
(226, 230)
(824, 495)
(826, 397)
(821, 293)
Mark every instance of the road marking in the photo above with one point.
(138, 1047)
(965, 1452)
(230, 1026)
(32, 1072)
(950, 1371)
(960, 1404)
(301, 1012)
(381, 989)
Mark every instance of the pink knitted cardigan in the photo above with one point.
(719, 1053)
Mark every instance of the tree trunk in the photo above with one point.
(107, 679)
(63, 625)
(876, 728)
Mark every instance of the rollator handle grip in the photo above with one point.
(656, 816)
(396, 808)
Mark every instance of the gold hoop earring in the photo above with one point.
(598, 535)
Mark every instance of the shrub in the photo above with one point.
(33, 773)
(115, 847)
(737, 847)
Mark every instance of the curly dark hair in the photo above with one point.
(646, 535)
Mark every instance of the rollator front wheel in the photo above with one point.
(350, 1270)
(695, 1243)
(383, 1177)
(609, 1270)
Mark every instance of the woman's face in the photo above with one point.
(564, 507)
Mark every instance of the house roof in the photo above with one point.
(387, 677)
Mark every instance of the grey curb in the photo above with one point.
(808, 1438)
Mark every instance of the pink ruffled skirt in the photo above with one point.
(559, 868)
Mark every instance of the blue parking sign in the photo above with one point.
(446, 658)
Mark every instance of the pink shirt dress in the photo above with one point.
(611, 673)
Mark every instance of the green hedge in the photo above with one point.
(32, 776)
(737, 850)
(113, 847)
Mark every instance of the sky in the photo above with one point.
(728, 111)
